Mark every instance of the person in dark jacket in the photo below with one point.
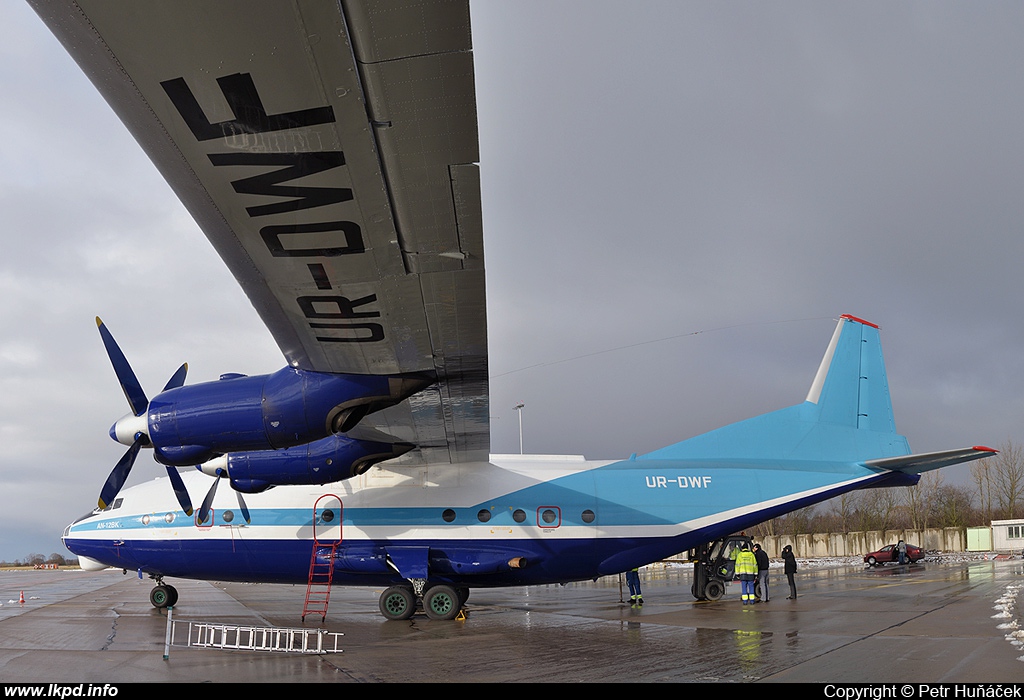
(762, 571)
(790, 569)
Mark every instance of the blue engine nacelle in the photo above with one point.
(188, 425)
(335, 458)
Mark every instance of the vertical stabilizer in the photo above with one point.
(847, 416)
(851, 387)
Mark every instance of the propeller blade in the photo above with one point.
(178, 378)
(179, 490)
(119, 475)
(204, 510)
(242, 507)
(129, 383)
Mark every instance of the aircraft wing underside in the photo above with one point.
(328, 151)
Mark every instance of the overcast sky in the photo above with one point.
(679, 200)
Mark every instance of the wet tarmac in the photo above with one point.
(930, 622)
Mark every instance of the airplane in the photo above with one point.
(329, 153)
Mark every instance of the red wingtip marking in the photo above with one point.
(982, 448)
(858, 320)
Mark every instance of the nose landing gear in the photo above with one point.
(163, 595)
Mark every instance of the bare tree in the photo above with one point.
(876, 509)
(951, 506)
(920, 499)
(981, 474)
(1008, 479)
(842, 509)
(766, 528)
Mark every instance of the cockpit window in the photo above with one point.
(113, 506)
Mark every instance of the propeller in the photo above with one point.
(119, 475)
(204, 510)
(138, 403)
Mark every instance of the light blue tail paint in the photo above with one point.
(846, 417)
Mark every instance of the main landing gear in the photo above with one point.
(439, 602)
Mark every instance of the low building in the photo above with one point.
(1008, 535)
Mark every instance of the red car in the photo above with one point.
(889, 554)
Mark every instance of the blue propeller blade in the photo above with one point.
(129, 383)
(204, 510)
(119, 475)
(179, 490)
(242, 507)
(178, 378)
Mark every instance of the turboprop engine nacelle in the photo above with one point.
(335, 458)
(187, 425)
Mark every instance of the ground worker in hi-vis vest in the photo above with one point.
(746, 571)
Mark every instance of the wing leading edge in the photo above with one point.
(328, 151)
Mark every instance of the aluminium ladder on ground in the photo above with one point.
(209, 635)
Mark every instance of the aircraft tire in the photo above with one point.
(441, 603)
(714, 590)
(397, 603)
(463, 592)
(161, 596)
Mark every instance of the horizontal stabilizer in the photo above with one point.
(926, 461)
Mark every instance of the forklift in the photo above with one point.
(714, 566)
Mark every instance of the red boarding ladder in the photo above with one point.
(326, 539)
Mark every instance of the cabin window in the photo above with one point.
(145, 520)
(169, 518)
(588, 516)
(448, 515)
(484, 515)
(227, 516)
(549, 516)
(327, 516)
(519, 515)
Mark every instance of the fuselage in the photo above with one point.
(517, 520)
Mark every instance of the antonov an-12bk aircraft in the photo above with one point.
(328, 150)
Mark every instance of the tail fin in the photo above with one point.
(850, 387)
(847, 416)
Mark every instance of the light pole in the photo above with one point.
(519, 409)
